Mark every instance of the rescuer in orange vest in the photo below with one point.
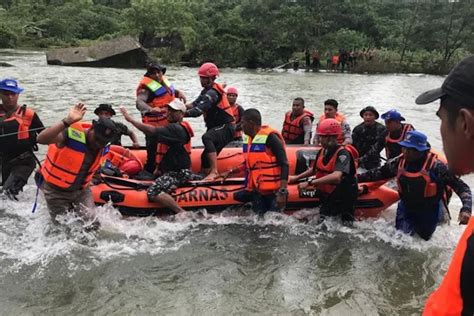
(422, 181)
(298, 124)
(212, 103)
(455, 295)
(396, 132)
(154, 92)
(19, 126)
(335, 171)
(266, 166)
(237, 110)
(74, 155)
(330, 111)
(173, 154)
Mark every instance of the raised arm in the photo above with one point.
(53, 134)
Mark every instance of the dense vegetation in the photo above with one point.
(427, 36)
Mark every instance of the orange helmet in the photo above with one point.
(329, 127)
(208, 70)
(131, 167)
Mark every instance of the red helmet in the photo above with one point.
(329, 127)
(232, 90)
(208, 70)
(131, 167)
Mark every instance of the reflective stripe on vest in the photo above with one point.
(63, 164)
(390, 143)
(264, 174)
(161, 96)
(162, 149)
(292, 129)
(340, 118)
(449, 299)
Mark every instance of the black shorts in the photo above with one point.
(214, 140)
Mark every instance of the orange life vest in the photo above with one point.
(292, 130)
(223, 104)
(162, 149)
(391, 144)
(448, 298)
(160, 96)
(237, 118)
(62, 164)
(24, 117)
(340, 118)
(264, 174)
(325, 169)
(417, 189)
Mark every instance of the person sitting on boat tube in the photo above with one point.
(106, 111)
(212, 103)
(298, 124)
(75, 152)
(335, 170)
(154, 92)
(266, 165)
(422, 180)
(173, 154)
(330, 111)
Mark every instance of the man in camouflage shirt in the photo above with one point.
(422, 181)
(369, 138)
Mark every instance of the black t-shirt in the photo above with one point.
(175, 136)
(10, 145)
(122, 129)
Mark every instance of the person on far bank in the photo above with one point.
(298, 124)
(397, 132)
(330, 111)
(455, 295)
(74, 155)
(369, 138)
(266, 166)
(173, 154)
(19, 126)
(237, 110)
(154, 93)
(422, 181)
(106, 111)
(213, 104)
(335, 172)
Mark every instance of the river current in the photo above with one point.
(218, 264)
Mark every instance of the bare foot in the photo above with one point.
(213, 175)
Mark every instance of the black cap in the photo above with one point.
(371, 109)
(104, 107)
(105, 127)
(459, 85)
(155, 66)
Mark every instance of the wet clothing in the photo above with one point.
(369, 142)
(122, 129)
(175, 136)
(60, 202)
(423, 211)
(341, 201)
(16, 155)
(167, 182)
(455, 295)
(267, 202)
(423, 222)
(238, 112)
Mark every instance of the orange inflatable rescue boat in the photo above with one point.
(130, 197)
